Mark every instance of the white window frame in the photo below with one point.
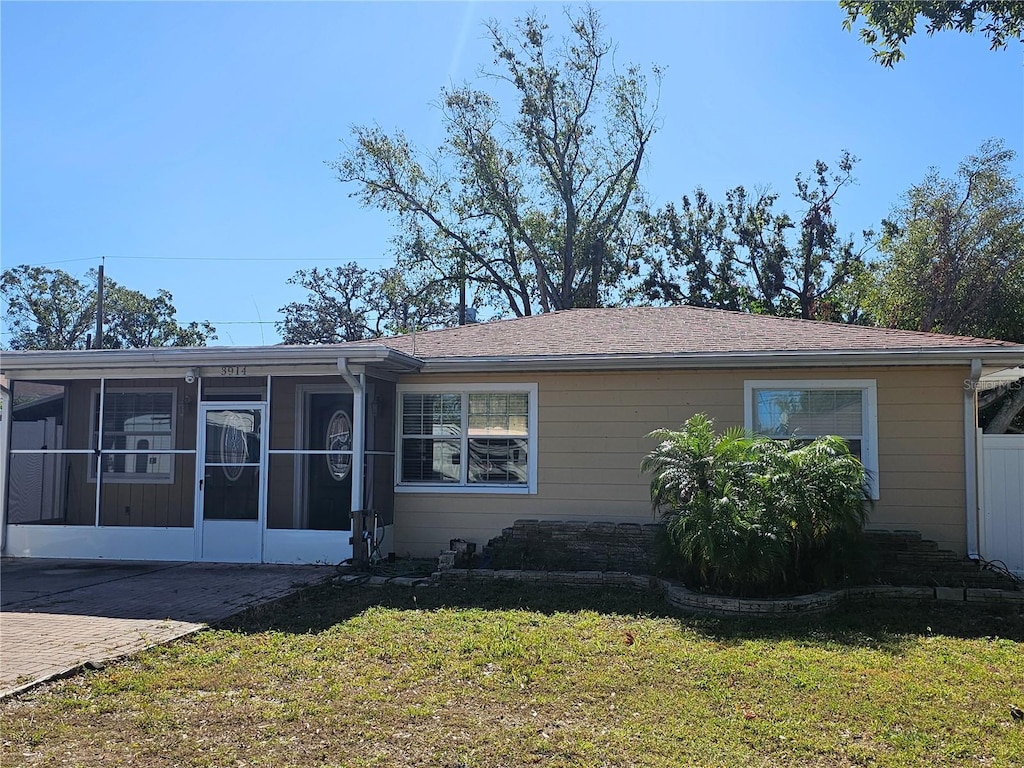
(869, 413)
(463, 486)
(132, 477)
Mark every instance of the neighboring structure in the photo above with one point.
(261, 453)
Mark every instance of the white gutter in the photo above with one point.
(776, 359)
(172, 361)
(191, 357)
(358, 435)
(971, 457)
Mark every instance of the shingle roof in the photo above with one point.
(665, 331)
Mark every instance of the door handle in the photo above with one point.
(200, 484)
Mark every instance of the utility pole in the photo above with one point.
(98, 341)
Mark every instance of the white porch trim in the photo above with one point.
(88, 542)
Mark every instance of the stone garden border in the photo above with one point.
(718, 605)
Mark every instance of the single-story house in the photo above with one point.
(260, 454)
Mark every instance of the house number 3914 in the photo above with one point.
(232, 370)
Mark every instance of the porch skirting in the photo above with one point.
(84, 542)
(80, 542)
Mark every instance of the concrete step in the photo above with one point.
(904, 558)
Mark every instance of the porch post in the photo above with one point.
(200, 472)
(99, 451)
(7, 401)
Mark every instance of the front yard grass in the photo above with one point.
(507, 674)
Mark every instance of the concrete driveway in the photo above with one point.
(56, 615)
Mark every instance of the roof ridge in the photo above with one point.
(757, 317)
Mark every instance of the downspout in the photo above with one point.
(358, 434)
(971, 457)
(7, 398)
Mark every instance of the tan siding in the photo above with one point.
(593, 433)
(924, 480)
(921, 411)
(589, 459)
(590, 476)
(907, 463)
(920, 444)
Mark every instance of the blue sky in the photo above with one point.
(186, 141)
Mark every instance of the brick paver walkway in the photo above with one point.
(48, 635)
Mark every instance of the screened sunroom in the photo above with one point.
(224, 455)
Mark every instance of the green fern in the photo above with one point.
(749, 513)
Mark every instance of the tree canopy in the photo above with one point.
(744, 255)
(999, 20)
(50, 309)
(532, 208)
(953, 262)
(953, 252)
(349, 303)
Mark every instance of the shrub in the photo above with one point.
(751, 514)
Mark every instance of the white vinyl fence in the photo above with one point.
(1002, 500)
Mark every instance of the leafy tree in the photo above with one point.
(953, 252)
(1001, 409)
(47, 308)
(692, 259)
(134, 320)
(535, 212)
(743, 255)
(349, 303)
(999, 20)
(50, 309)
(953, 259)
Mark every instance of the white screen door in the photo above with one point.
(231, 491)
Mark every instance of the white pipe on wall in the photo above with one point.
(971, 457)
(358, 434)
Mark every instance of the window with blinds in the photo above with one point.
(806, 409)
(810, 413)
(465, 439)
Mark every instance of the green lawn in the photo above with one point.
(510, 675)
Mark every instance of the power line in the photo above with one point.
(307, 259)
(62, 261)
(246, 259)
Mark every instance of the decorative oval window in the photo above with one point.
(234, 448)
(339, 443)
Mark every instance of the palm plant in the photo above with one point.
(704, 485)
(826, 487)
(693, 460)
(747, 512)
